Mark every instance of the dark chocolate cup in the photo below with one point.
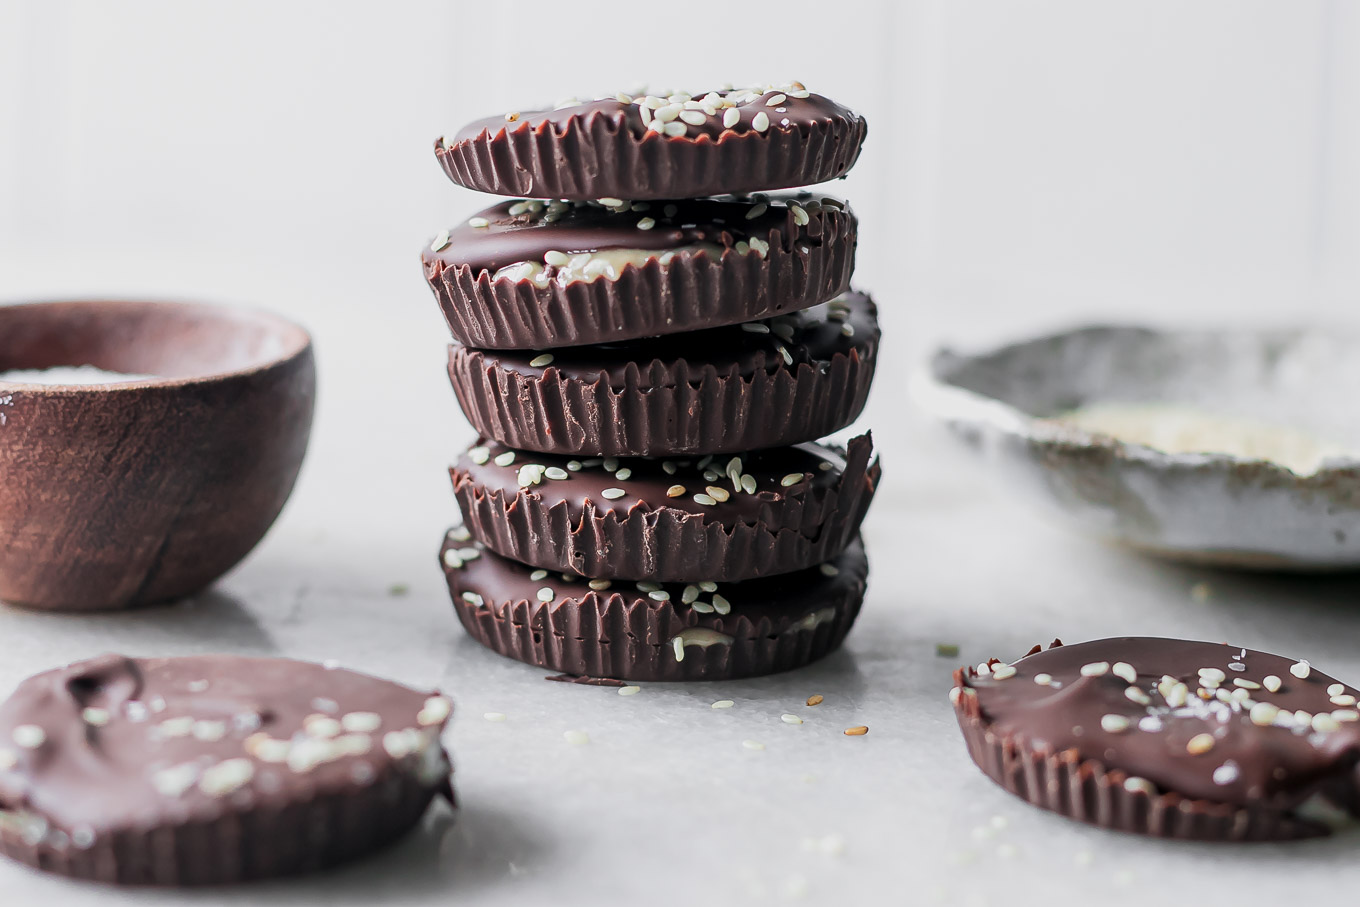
(243, 842)
(1088, 791)
(592, 157)
(692, 292)
(654, 541)
(775, 624)
(724, 390)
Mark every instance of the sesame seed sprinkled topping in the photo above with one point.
(546, 594)
(1199, 744)
(721, 605)
(538, 575)
(540, 361)
(494, 716)
(706, 500)
(790, 719)
(478, 223)
(225, 777)
(1263, 714)
(1336, 689)
(1043, 680)
(723, 704)
(718, 494)
(29, 736)
(753, 744)
(612, 494)
(479, 455)
(1272, 683)
(1136, 695)
(815, 699)
(599, 585)
(1301, 669)
(629, 690)
(556, 472)
(1139, 786)
(731, 117)
(857, 731)
(1095, 669)
(505, 459)
(436, 709)
(1124, 671)
(441, 241)
(708, 585)
(1343, 699)
(1003, 672)
(610, 202)
(576, 738)
(791, 479)
(760, 122)
(95, 716)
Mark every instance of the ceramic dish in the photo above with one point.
(1219, 509)
(140, 491)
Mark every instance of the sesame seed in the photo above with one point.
(576, 738)
(775, 100)
(441, 241)
(610, 202)
(721, 605)
(1344, 699)
(791, 479)
(1301, 669)
(1114, 724)
(556, 259)
(1263, 714)
(800, 216)
(1199, 744)
(610, 464)
(815, 699)
(748, 483)
(694, 117)
(505, 459)
(1139, 786)
(538, 575)
(599, 585)
(1272, 683)
(29, 736)
(753, 744)
(1136, 695)
(790, 719)
(723, 704)
(1324, 723)
(546, 594)
(556, 472)
(1003, 672)
(95, 717)
(675, 129)
(436, 709)
(225, 777)
(858, 731)
(1346, 715)
(1124, 671)
(756, 210)
(479, 455)
(731, 117)
(1336, 689)
(718, 494)
(1095, 669)
(660, 595)
(1245, 684)
(760, 122)
(708, 585)
(1211, 677)
(1043, 680)
(629, 690)
(612, 494)
(755, 327)
(784, 353)
(704, 499)
(540, 361)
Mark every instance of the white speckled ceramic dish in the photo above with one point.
(1208, 508)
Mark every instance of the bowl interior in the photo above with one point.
(171, 340)
(1306, 379)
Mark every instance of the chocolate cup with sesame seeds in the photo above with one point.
(1167, 737)
(212, 769)
(752, 140)
(744, 387)
(653, 631)
(760, 514)
(529, 276)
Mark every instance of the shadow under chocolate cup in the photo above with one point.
(134, 492)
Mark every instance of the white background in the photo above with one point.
(1029, 165)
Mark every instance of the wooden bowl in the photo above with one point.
(144, 491)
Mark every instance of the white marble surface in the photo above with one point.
(664, 805)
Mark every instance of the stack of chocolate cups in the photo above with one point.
(650, 338)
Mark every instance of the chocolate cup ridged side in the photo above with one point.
(664, 409)
(608, 635)
(670, 545)
(334, 827)
(1088, 791)
(692, 292)
(595, 157)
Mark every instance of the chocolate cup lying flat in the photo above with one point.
(212, 769)
(713, 279)
(719, 391)
(668, 520)
(620, 631)
(1077, 743)
(604, 148)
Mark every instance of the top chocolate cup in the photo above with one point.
(655, 147)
